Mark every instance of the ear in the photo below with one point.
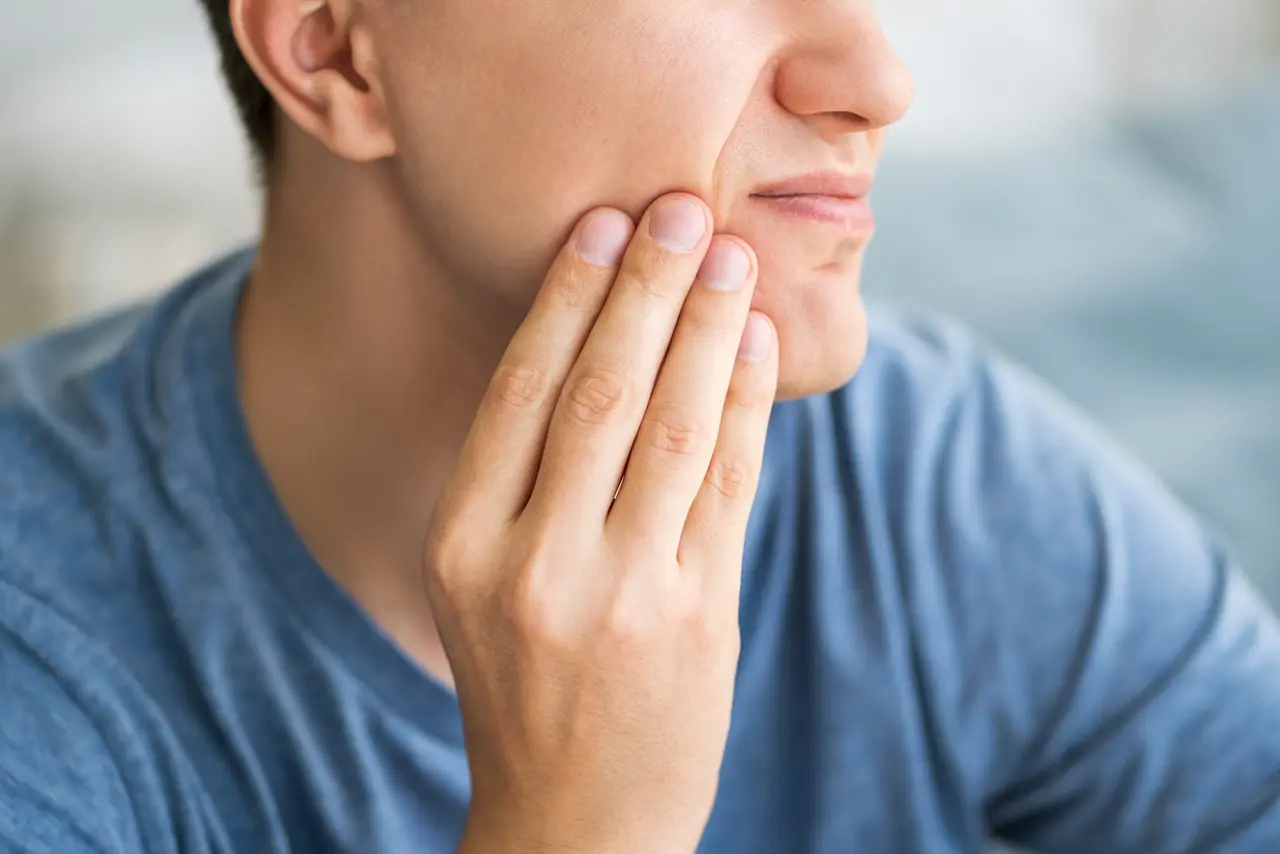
(321, 69)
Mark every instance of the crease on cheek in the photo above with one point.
(725, 189)
(723, 199)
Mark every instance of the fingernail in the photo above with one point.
(726, 267)
(677, 224)
(604, 237)
(757, 339)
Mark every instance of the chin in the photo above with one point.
(818, 311)
(817, 358)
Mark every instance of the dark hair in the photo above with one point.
(256, 106)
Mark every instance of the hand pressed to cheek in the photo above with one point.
(607, 628)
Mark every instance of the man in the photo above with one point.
(445, 521)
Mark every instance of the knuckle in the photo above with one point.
(706, 316)
(597, 396)
(649, 276)
(641, 609)
(441, 547)
(577, 287)
(672, 430)
(520, 387)
(531, 608)
(629, 625)
(710, 620)
(448, 552)
(729, 476)
(712, 625)
(748, 390)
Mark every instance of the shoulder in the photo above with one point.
(932, 379)
(90, 417)
(99, 438)
(1001, 517)
(1044, 576)
(942, 426)
(59, 439)
(66, 440)
(61, 783)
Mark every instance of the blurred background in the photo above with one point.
(1094, 185)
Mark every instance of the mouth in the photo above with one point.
(830, 198)
(852, 214)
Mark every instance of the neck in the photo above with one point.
(361, 368)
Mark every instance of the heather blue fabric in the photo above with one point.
(964, 614)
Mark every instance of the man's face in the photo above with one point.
(514, 117)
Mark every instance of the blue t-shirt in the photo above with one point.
(963, 614)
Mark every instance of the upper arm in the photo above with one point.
(1153, 721)
(1105, 677)
(60, 787)
(1165, 736)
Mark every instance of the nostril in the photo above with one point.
(846, 121)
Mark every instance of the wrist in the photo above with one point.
(495, 835)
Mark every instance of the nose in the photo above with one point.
(841, 71)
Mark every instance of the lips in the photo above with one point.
(838, 185)
(827, 197)
(849, 214)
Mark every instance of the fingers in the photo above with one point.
(607, 390)
(677, 435)
(719, 516)
(499, 462)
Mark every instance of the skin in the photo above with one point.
(592, 627)
(436, 160)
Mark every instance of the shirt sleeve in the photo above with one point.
(1100, 666)
(60, 791)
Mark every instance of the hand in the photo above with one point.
(594, 640)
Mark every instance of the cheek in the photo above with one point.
(500, 158)
(636, 110)
(615, 108)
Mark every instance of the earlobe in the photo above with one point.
(312, 58)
